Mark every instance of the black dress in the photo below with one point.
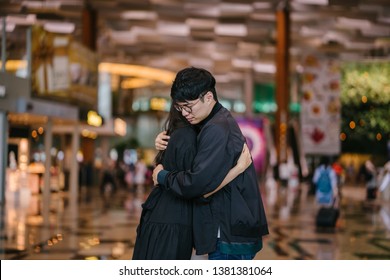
(165, 229)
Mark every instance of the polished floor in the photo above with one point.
(92, 229)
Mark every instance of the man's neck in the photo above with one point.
(217, 106)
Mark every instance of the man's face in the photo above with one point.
(196, 110)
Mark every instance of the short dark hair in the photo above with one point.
(190, 83)
(325, 161)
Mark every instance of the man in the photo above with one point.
(230, 224)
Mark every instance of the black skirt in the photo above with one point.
(165, 229)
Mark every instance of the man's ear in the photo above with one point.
(209, 96)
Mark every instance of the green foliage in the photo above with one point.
(365, 99)
(369, 121)
(366, 80)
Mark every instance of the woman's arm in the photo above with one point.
(243, 163)
(161, 141)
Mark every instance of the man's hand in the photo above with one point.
(161, 141)
(245, 159)
(156, 170)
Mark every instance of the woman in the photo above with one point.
(165, 229)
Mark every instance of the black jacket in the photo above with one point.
(237, 209)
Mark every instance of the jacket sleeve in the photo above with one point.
(212, 162)
(316, 175)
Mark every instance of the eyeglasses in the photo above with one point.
(188, 108)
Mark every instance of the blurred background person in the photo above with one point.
(370, 177)
(325, 181)
(108, 185)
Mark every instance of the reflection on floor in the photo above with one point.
(95, 230)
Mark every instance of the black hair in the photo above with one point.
(174, 120)
(192, 82)
(325, 161)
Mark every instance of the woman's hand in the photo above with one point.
(245, 159)
(161, 141)
(156, 170)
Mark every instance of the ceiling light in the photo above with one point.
(249, 47)
(59, 27)
(42, 4)
(143, 31)
(138, 71)
(269, 50)
(262, 5)
(139, 15)
(305, 16)
(135, 83)
(204, 47)
(216, 55)
(236, 8)
(174, 29)
(264, 67)
(242, 63)
(22, 20)
(123, 37)
(313, 2)
(197, 23)
(202, 9)
(231, 29)
(222, 78)
(353, 23)
(306, 31)
(237, 76)
(263, 16)
(202, 62)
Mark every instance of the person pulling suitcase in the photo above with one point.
(325, 180)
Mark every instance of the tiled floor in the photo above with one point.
(89, 231)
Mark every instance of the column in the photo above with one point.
(3, 155)
(3, 122)
(29, 51)
(282, 80)
(46, 176)
(74, 168)
(89, 27)
(3, 44)
(74, 185)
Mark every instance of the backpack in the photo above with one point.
(324, 191)
(324, 184)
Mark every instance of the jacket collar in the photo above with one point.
(215, 109)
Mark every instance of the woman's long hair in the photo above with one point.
(175, 120)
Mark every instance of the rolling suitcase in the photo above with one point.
(327, 217)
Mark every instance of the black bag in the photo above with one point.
(327, 217)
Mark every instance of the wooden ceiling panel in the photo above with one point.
(184, 31)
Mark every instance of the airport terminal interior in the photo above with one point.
(98, 231)
(85, 89)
